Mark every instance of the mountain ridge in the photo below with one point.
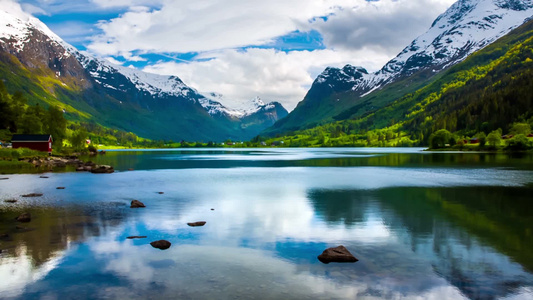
(114, 96)
(465, 27)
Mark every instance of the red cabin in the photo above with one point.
(39, 142)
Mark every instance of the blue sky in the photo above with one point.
(241, 48)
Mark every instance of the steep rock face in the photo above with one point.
(467, 26)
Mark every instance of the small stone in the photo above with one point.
(44, 176)
(136, 237)
(195, 224)
(137, 204)
(337, 254)
(10, 201)
(161, 244)
(60, 188)
(32, 195)
(25, 217)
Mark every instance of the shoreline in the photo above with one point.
(53, 163)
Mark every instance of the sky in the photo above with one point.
(241, 48)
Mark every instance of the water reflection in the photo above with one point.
(419, 231)
(320, 157)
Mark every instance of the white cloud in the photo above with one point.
(386, 25)
(195, 26)
(358, 32)
(272, 75)
(124, 3)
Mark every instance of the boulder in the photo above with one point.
(136, 237)
(136, 204)
(161, 244)
(25, 217)
(336, 254)
(195, 224)
(102, 169)
(32, 195)
(80, 169)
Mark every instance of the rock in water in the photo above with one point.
(337, 254)
(44, 176)
(60, 188)
(102, 169)
(136, 237)
(136, 204)
(25, 217)
(32, 195)
(10, 201)
(195, 224)
(4, 178)
(161, 244)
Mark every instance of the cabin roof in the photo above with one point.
(31, 138)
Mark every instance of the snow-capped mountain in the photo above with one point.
(465, 27)
(255, 114)
(150, 105)
(212, 103)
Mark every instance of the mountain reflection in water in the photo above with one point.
(421, 227)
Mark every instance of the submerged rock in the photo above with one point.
(336, 254)
(161, 244)
(32, 195)
(25, 217)
(102, 169)
(195, 224)
(136, 237)
(136, 204)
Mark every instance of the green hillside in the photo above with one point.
(490, 90)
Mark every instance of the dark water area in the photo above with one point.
(423, 226)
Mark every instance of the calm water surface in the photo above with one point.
(423, 226)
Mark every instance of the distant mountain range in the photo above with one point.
(350, 92)
(51, 72)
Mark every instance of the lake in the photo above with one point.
(424, 225)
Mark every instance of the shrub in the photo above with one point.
(518, 143)
(440, 138)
